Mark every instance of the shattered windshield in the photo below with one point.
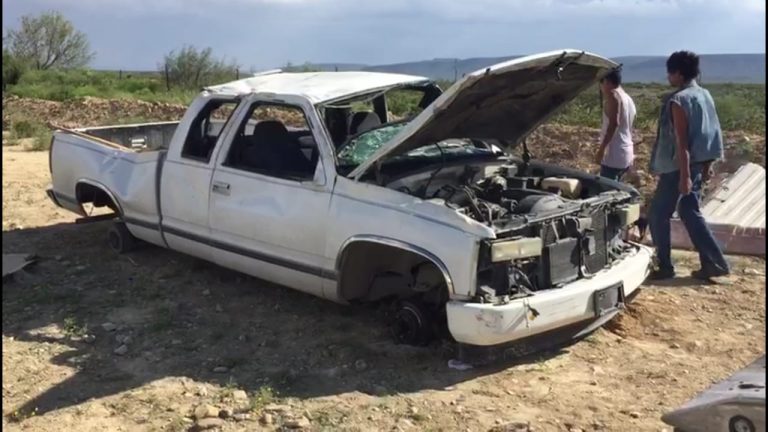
(360, 148)
(363, 146)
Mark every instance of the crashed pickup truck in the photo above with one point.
(307, 180)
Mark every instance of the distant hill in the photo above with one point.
(717, 68)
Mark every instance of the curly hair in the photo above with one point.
(684, 62)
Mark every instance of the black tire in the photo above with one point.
(413, 324)
(740, 424)
(120, 239)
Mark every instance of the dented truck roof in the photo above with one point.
(318, 87)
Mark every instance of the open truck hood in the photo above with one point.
(504, 102)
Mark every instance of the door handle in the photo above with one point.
(221, 187)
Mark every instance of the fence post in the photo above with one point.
(167, 79)
(237, 74)
(120, 74)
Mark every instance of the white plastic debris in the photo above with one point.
(458, 365)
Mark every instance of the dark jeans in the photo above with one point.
(663, 205)
(612, 173)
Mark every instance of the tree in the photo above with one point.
(13, 69)
(191, 68)
(49, 41)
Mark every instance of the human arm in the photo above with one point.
(680, 123)
(708, 171)
(612, 113)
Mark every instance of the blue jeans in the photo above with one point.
(612, 173)
(663, 205)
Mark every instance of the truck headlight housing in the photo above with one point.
(628, 214)
(525, 247)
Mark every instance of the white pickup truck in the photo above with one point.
(306, 180)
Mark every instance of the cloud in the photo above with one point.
(266, 33)
(512, 10)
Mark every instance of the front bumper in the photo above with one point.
(484, 324)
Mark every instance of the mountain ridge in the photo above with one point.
(716, 68)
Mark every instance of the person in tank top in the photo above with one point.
(616, 152)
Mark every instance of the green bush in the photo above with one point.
(13, 69)
(25, 128)
(739, 106)
(403, 102)
(42, 141)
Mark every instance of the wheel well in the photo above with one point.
(370, 271)
(88, 193)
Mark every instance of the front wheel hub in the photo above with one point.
(411, 325)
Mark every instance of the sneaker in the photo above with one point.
(707, 275)
(661, 274)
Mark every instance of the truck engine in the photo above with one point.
(550, 229)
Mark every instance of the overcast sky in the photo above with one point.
(134, 34)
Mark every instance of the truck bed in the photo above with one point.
(142, 136)
(87, 168)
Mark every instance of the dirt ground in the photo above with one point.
(93, 341)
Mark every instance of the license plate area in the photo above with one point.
(609, 299)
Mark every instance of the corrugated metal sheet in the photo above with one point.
(740, 199)
(735, 211)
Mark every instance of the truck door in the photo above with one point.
(185, 180)
(270, 195)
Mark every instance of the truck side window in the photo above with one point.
(275, 140)
(205, 129)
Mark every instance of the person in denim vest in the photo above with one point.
(689, 140)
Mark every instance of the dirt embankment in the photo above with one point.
(87, 111)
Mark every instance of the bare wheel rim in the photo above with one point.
(408, 324)
(741, 424)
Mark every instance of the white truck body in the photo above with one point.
(301, 233)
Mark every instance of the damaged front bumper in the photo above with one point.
(585, 301)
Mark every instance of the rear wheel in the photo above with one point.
(120, 239)
(740, 424)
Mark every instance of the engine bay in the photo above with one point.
(503, 196)
(553, 225)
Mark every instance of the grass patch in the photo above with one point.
(72, 327)
(19, 416)
(744, 149)
(264, 396)
(36, 132)
(42, 141)
(228, 391)
(177, 424)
